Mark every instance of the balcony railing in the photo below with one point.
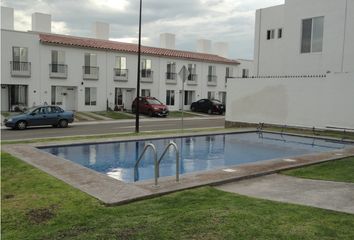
(146, 75)
(90, 73)
(192, 79)
(212, 80)
(58, 70)
(171, 78)
(20, 69)
(120, 74)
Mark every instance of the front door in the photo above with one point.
(70, 99)
(4, 98)
(128, 99)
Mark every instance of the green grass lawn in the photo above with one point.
(178, 114)
(115, 115)
(339, 170)
(38, 206)
(6, 114)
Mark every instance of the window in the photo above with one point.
(90, 96)
(18, 95)
(118, 97)
(121, 62)
(270, 34)
(19, 54)
(170, 97)
(58, 60)
(188, 97)
(280, 32)
(52, 109)
(171, 70)
(245, 73)
(222, 97)
(90, 62)
(228, 72)
(146, 68)
(20, 58)
(192, 68)
(120, 69)
(57, 95)
(312, 35)
(211, 73)
(211, 95)
(145, 92)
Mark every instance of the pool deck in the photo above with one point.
(336, 196)
(114, 192)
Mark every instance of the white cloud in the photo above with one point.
(110, 5)
(144, 40)
(22, 21)
(60, 28)
(231, 21)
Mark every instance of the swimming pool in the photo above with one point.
(197, 153)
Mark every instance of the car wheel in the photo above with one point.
(209, 111)
(21, 125)
(151, 114)
(193, 109)
(63, 123)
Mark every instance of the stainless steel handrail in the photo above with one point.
(141, 156)
(177, 159)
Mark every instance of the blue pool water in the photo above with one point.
(197, 153)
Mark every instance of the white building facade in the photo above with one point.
(304, 37)
(93, 74)
(303, 68)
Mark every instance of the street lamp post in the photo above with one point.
(138, 74)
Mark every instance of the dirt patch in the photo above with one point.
(41, 215)
(73, 232)
(128, 232)
(8, 196)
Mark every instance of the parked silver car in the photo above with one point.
(41, 115)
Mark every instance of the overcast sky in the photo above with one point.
(230, 21)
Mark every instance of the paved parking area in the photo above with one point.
(109, 127)
(329, 195)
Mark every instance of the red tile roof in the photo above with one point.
(129, 47)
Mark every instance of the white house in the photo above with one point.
(304, 37)
(303, 67)
(91, 74)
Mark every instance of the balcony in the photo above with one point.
(20, 69)
(192, 79)
(171, 78)
(146, 76)
(90, 73)
(212, 80)
(120, 75)
(58, 71)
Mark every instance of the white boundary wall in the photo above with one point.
(306, 101)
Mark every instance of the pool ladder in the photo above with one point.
(157, 162)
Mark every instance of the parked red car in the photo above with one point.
(150, 106)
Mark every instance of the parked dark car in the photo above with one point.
(42, 115)
(208, 106)
(150, 106)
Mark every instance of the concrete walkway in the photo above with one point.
(329, 195)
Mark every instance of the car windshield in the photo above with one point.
(216, 101)
(29, 110)
(153, 101)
